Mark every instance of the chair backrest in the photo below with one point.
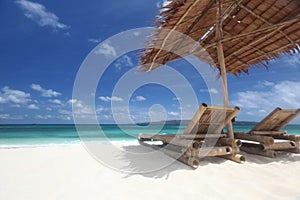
(210, 119)
(276, 120)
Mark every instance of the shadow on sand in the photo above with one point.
(162, 165)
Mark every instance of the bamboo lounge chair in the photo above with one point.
(266, 138)
(203, 137)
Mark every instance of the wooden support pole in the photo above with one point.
(229, 141)
(282, 145)
(223, 141)
(235, 157)
(201, 136)
(276, 146)
(221, 60)
(256, 138)
(253, 145)
(295, 138)
(268, 133)
(210, 152)
(257, 151)
(148, 137)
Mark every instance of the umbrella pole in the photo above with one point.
(221, 60)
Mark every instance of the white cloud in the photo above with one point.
(43, 116)
(136, 33)
(15, 106)
(5, 116)
(173, 113)
(284, 94)
(68, 34)
(76, 103)
(107, 50)
(9, 117)
(45, 92)
(13, 96)
(33, 107)
(64, 112)
(113, 98)
(176, 99)
(262, 84)
(211, 91)
(39, 14)
(124, 61)
(80, 108)
(55, 101)
(292, 61)
(94, 40)
(140, 98)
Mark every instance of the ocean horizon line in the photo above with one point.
(168, 122)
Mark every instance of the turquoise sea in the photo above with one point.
(40, 135)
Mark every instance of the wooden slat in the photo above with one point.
(261, 126)
(195, 119)
(294, 114)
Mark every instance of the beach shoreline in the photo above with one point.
(70, 172)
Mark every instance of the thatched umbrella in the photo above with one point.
(237, 34)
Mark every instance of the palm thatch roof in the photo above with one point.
(253, 32)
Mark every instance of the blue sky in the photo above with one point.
(43, 44)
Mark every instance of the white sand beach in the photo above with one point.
(70, 172)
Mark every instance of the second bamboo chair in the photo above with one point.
(267, 137)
